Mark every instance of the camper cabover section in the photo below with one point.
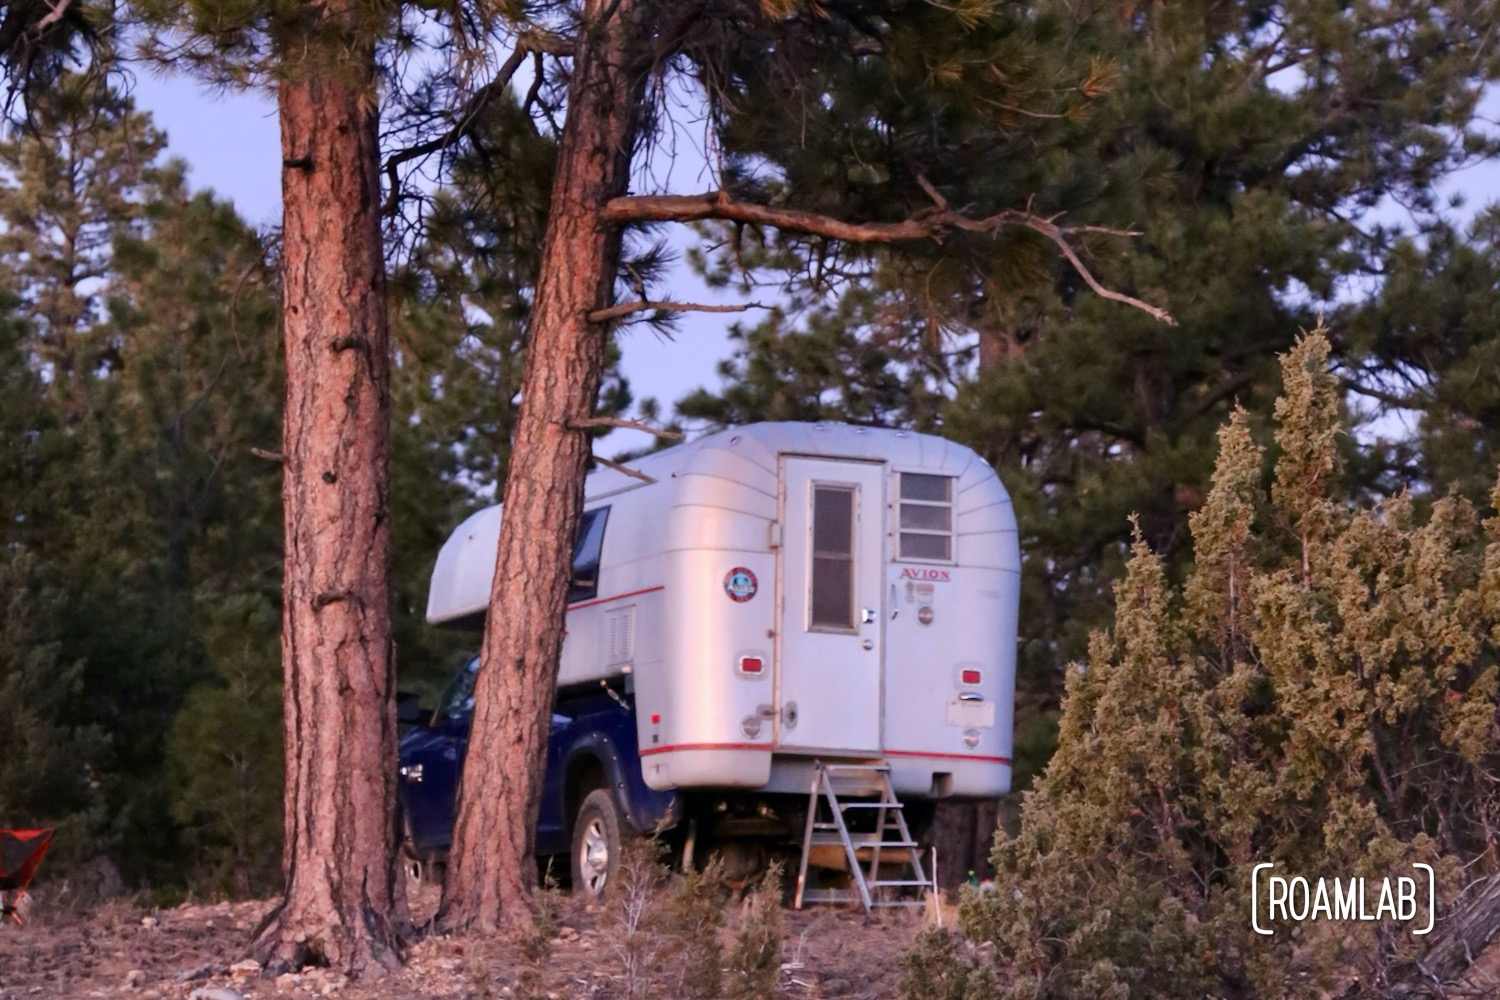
(780, 593)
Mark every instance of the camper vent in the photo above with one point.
(619, 626)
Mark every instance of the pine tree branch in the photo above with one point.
(717, 205)
(1058, 236)
(647, 305)
(932, 192)
(465, 120)
(1390, 399)
(632, 473)
(932, 225)
(537, 76)
(550, 43)
(54, 14)
(1225, 391)
(629, 425)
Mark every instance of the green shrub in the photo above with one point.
(693, 915)
(941, 965)
(1319, 693)
(667, 925)
(754, 971)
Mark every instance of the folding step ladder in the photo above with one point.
(890, 843)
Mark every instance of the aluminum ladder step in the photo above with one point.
(891, 843)
(863, 840)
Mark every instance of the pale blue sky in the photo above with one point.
(232, 144)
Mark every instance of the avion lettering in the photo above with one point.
(929, 575)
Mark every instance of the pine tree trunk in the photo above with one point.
(963, 832)
(345, 903)
(997, 347)
(492, 868)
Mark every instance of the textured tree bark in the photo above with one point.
(492, 869)
(964, 833)
(345, 903)
(998, 347)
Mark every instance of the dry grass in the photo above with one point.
(706, 945)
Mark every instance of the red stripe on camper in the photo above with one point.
(705, 746)
(617, 597)
(947, 756)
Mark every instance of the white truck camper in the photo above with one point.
(783, 605)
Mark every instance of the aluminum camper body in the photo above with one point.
(785, 592)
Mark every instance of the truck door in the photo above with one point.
(831, 605)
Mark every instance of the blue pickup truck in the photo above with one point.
(592, 796)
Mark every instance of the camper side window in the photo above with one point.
(831, 582)
(926, 517)
(584, 584)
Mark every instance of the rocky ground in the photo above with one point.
(196, 951)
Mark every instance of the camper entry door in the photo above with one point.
(832, 631)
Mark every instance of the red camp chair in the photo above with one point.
(21, 852)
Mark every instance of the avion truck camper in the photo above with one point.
(793, 637)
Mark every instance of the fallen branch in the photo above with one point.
(932, 225)
(634, 474)
(646, 305)
(629, 425)
(1467, 930)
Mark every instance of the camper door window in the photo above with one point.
(584, 585)
(926, 517)
(831, 581)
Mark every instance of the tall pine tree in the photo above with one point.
(345, 900)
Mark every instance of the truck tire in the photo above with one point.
(424, 867)
(596, 844)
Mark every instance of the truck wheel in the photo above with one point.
(596, 844)
(423, 867)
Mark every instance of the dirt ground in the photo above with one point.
(121, 950)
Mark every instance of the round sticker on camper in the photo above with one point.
(739, 584)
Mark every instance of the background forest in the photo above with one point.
(1279, 161)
